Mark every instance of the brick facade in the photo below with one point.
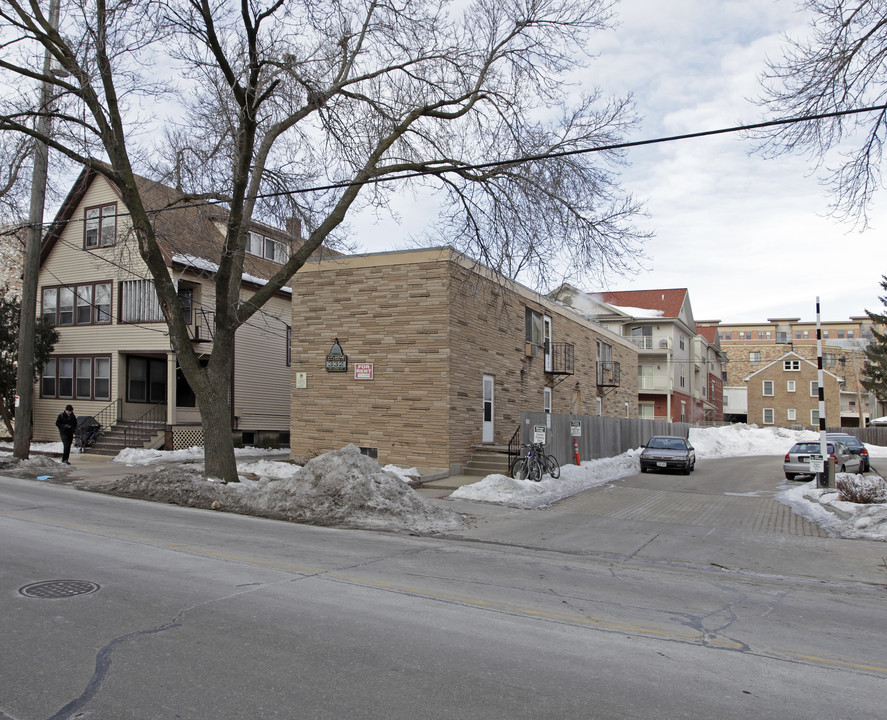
(433, 325)
(775, 378)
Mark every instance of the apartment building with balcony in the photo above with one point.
(752, 346)
(680, 367)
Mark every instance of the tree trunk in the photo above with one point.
(218, 440)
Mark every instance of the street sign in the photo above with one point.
(539, 434)
(816, 464)
(575, 428)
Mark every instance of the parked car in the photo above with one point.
(855, 445)
(665, 452)
(797, 460)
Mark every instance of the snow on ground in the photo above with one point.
(861, 521)
(365, 495)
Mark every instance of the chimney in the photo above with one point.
(294, 228)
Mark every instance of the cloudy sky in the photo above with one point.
(748, 236)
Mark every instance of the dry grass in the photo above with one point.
(862, 490)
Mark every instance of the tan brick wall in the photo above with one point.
(432, 329)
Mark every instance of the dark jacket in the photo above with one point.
(66, 424)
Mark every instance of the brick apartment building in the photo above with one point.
(433, 354)
(785, 392)
(753, 346)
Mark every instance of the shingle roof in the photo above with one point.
(669, 302)
(188, 230)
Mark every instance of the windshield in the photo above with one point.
(663, 443)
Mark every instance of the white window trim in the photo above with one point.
(772, 416)
(791, 414)
(814, 389)
(790, 386)
(764, 388)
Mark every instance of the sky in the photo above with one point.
(748, 236)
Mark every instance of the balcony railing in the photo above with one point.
(648, 342)
(652, 382)
(609, 373)
(559, 359)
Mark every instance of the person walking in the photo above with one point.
(66, 422)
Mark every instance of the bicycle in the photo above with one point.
(535, 464)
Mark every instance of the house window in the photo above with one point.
(825, 333)
(534, 327)
(646, 411)
(546, 400)
(814, 388)
(769, 336)
(146, 380)
(86, 377)
(840, 333)
(791, 365)
(849, 333)
(791, 414)
(88, 304)
(754, 357)
(814, 417)
(768, 388)
(728, 336)
(683, 378)
(806, 335)
(186, 300)
(139, 302)
(289, 346)
(100, 226)
(645, 377)
(829, 360)
(683, 411)
(790, 386)
(768, 416)
(265, 247)
(782, 337)
(681, 342)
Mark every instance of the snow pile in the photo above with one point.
(742, 440)
(342, 488)
(824, 507)
(37, 464)
(138, 456)
(529, 495)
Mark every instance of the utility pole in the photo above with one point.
(24, 379)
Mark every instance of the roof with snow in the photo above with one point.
(667, 302)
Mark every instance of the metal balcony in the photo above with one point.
(609, 373)
(559, 359)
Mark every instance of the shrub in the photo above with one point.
(860, 489)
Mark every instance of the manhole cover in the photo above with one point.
(58, 588)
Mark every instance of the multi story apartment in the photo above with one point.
(751, 347)
(680, 367)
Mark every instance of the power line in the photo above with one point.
(438, 171)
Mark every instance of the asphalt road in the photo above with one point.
(205, 615)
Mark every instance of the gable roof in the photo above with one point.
(183, 229)
(668, 302)
(710, 333)
(792, 355)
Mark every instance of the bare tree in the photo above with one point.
(840, 66)
(315, 108)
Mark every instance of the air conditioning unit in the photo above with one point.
(531, 350)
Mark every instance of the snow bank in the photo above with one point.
(743, 440)
(838, 518)
(342, 488)
(527, 494)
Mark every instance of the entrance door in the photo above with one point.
(487, 434)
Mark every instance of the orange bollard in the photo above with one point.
(576, 450)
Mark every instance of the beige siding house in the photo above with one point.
(441, 355)
(114, 359)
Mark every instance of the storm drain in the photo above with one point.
(58, 588)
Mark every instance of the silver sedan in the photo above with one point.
(797, 460)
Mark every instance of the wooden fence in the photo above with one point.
(874, 435)
(599, 437)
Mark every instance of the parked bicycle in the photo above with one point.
(534, 464)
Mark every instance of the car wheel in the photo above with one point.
(687, 469)
(643, 469)
(789, 476)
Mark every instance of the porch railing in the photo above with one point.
(109, 414)
(152, 420)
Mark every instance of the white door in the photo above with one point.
(487, 434)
